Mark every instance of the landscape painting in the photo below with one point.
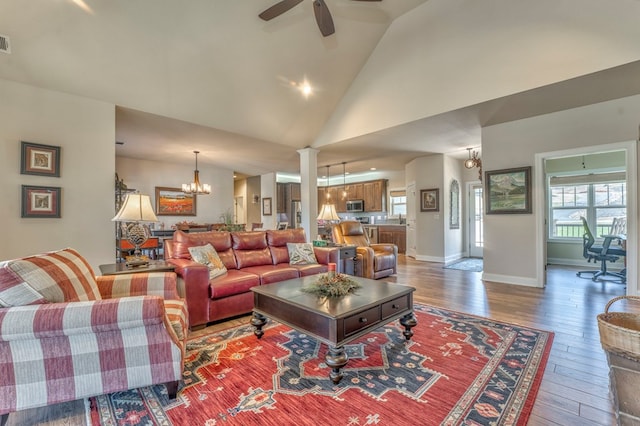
(174, 202)
(508, 191)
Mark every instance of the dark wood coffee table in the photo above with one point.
(334, 321)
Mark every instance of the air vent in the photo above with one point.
(5, 47)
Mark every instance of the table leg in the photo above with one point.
(336, 358)
(408, 321)
(258, 321)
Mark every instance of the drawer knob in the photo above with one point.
(362, 319)
(394, 306)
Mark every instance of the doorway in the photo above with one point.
(240, 216)
(475, 214)
(546, 221)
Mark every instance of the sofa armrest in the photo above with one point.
(195, 282)
(326, 255)
(161, 284)
(75, 318)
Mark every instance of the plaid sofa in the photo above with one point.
(66, 334)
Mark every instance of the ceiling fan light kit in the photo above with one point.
(320, 10)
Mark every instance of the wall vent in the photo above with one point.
(5, 47)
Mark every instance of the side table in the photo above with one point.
(121, 268)
(347, 256)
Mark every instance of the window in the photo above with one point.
(398, 203)
(599, 198)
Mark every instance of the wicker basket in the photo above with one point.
(620, 331)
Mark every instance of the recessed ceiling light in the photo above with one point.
(306, 89)
(373, 168)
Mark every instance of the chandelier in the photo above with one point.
(196, 187)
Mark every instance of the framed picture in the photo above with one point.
(40, 201)
(37, 159)
(508, 191)
(430, 200)
(174, 202)
(266, 206)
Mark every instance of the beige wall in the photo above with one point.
(510, 240)
(145, 176)
(428, 173)
(85, 131)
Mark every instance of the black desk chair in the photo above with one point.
(600, 253)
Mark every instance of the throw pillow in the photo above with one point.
(301, 254)
(207, 255)
(14, 291)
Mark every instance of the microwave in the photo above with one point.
(354, 206)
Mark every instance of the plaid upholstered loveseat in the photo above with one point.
(66, 334)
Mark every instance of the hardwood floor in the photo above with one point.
(575, 386)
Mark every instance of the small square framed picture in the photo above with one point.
(38, 159)
(40, 201)
(430, 200)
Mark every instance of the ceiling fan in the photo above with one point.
(320, 9)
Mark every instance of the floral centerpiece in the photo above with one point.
(332, 285)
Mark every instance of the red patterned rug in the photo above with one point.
(456, 369)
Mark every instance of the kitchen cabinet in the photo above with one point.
(373, 193)
(355, 191)
(393, 234)
(294, 192)
(281, 198)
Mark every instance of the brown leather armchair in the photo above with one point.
(376, 260)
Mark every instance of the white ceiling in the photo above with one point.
(210, 75)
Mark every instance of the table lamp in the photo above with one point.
(137, 210)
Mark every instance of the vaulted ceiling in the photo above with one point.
(398, 79)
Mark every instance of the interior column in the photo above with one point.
(309, 190)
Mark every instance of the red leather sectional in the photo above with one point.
(252, 258)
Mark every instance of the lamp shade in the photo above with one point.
(136, 208)
(328, 212)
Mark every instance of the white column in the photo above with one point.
(309, 191)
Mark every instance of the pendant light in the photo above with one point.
(328, 211)
(344, 181)
(196, 187)
(474, 161)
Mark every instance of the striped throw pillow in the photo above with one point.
(58, 276)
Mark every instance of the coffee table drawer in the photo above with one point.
(394, 306)
(361, 320)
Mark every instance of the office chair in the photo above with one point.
(600, 253)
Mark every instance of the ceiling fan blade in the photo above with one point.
(278, 9)
(323, 17)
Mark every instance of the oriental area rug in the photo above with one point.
(456, 369)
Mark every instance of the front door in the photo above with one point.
(476, 233)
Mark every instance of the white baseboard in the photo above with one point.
(429, 258)
(507, 279)
(616, 266)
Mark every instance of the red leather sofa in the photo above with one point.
(252, 258)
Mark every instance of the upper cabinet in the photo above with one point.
(375, 196)
(294, 191)
(373, 193)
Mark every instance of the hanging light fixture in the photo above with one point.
(328, 211)
(473, 161)
(196, 187)
(344, 182)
